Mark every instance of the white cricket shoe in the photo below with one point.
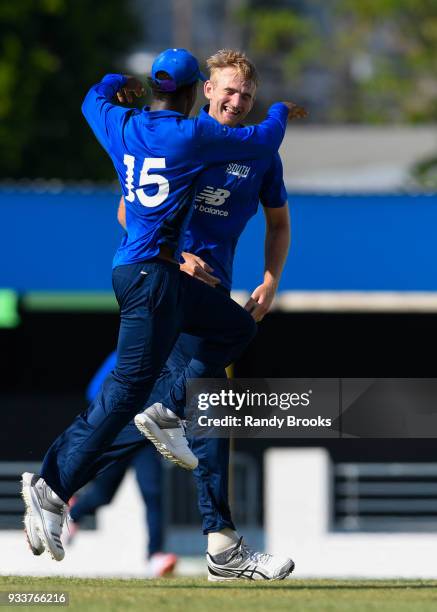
(239, 562)
(33, 539)
(44, 518)
(165, 429)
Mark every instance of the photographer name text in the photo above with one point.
(274, 421)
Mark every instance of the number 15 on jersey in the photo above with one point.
(146, 179)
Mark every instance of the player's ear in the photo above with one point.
(207, 89)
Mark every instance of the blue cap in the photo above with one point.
(180, 65)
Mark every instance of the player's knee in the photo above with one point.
(132, 385)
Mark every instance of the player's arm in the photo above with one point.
(216, 143)
(276, 246)
(103, 116)
(121, 213)
(273, 196)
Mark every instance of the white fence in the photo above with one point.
(298, 505)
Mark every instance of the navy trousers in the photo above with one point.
(211, 475)
(157, 303)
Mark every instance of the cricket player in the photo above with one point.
(158, 154)
(227, 197)
(219, 217)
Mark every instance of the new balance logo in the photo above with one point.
(211, 196)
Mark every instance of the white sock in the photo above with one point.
(219, 541)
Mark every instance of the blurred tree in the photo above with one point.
(368, 61)
(280, 31)
(398, 39)
(52, 51)
(391, 46)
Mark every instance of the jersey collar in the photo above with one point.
(161, 113)
(205, 116)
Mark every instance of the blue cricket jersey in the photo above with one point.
(227, 197)
(158, 155)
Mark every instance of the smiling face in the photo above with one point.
(230, 96)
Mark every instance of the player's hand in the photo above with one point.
(132, 86)
(295, 111)
(195, 266)
(261, 301)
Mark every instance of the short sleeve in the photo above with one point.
(273, 193)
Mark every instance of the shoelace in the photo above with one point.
(260, 557)
(256, 557)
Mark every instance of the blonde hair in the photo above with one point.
(229, 58)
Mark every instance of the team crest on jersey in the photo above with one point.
(238, 170)
(209, 197)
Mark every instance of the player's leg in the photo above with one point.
(212, 482)
(121, 451)
(212, 453)
(149, 327)
(228, 557)
(148, 471)
(191, 358)
(149, 298)
(100, 491)
(225, 329)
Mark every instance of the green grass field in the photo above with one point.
(192, 594)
